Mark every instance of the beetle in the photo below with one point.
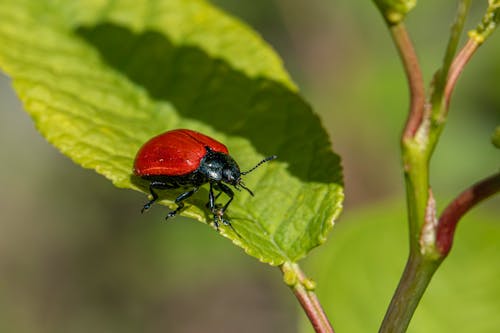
(183, 158)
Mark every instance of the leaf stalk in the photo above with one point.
(303, 289)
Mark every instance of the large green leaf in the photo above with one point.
(358, 272)
(100, 78)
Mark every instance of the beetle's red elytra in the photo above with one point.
(189, 159)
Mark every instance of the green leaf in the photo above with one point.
(358, 272)
(395, 11)
(100, 78)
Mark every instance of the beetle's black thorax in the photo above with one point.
(219, 167)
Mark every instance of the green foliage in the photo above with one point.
(100, 78)
(357, 271)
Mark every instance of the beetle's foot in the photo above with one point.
(171, 214)
(145, 207)
(148, 205)
(219, 217)
(217, 220)
(216, 224)
(176, 211)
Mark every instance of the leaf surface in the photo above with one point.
(100, 78)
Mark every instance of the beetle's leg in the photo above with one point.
(155, 185)
(218, 205)
(211, 199)
(220, 212)
(179, 201)
(229, 193)
(211, 205)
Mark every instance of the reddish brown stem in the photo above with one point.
(314, 312)
(414, 76)
(461, 205)
(303, 289)
(456, 69)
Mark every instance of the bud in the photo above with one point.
(488, 24)
(394, 11)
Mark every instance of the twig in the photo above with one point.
(461, 205)
(456, 68)
(414, 77)
(441, 76)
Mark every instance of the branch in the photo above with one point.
(441, 76)
(461, 205)
(456, 69)
(414, 77)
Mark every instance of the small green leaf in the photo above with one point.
(100, 78)
(495, 138)
(395, 11)
(358, 272)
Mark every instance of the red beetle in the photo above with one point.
(188, 159)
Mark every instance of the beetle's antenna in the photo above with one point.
(267, 159)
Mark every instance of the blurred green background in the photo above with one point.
(76, 255)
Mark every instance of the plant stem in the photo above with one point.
(416, 276)
(440, 78)
(415, 160)
(417, 146)
(457, 67)
(422, 265)
(303, 289)
(414, 77)
(441, 106)
(461, 205)
(430, 239)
